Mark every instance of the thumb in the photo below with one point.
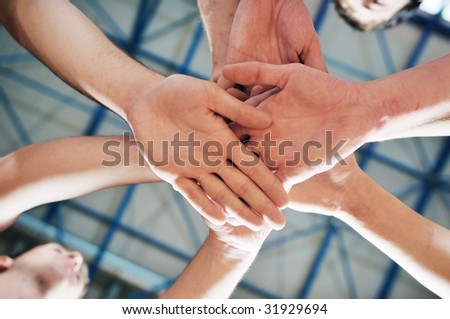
(255, 100)
(224, 83)
(248, 73)
(313, 57)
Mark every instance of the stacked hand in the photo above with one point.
(272, 31)
(235, 241)
(187, 111)
(315, 119)
(326, 193)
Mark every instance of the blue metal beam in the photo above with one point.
(129, 230)
(106, 18)
(321, 14)
(171, 27)
(397, 165)
(169, 64)
(421, 20)
(38, 229)
(362, 75)
(16, 58)
(15, 119)
(195, 42)
(317, 262)
(285, 238)
(113, 226)
(144, 16)
(346, 267)
(385, 52)
(366, 154)
(420, 207)
(421, 44)
(158, 244)
(184, 212)
(24, 80)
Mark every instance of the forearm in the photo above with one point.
(212, 273)
(440, 127)
(67, 168)
(76, 50)
(417, 244)
(217, 17)
(413, 102)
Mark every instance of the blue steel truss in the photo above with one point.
(428, 181)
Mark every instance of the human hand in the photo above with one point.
(272, 31)
(234, 241)
(317, 119)
(180, 127)
(325, 193)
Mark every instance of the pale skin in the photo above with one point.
(252, 30)
(146, 100)
(339, 186)
(218, 267)
(345, 192)
(398, 105)
(75, 168)
(47, 271)
(415, 257)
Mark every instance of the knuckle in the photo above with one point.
(267, 208)
(244, 188)
(219, 196)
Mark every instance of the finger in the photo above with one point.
(221, 194)
(238, 94)
(260, 73)
(258, 89)
(230, 220)
(225, 83)
(239, 112)
(260, 174)
(258, 99)
(284, 180)
(233, 222)
(247, 190)
(198, 199)
(313, 57)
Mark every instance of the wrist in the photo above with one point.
(143, 85)
(355, 196)
(228, 252)
(370, 104)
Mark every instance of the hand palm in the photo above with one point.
(310, 115)
(278, 32)
(182, 111)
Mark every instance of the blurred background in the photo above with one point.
(137, 239)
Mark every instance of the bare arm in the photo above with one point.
(414, 102)
(157, 109)
(217, 17)
(399, 105)
(67, 168)
(75, 49)
(220, 264)
(350, 195)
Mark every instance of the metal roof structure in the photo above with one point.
(137, 239)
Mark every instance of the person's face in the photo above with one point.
(56, 272)
(371, 13)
